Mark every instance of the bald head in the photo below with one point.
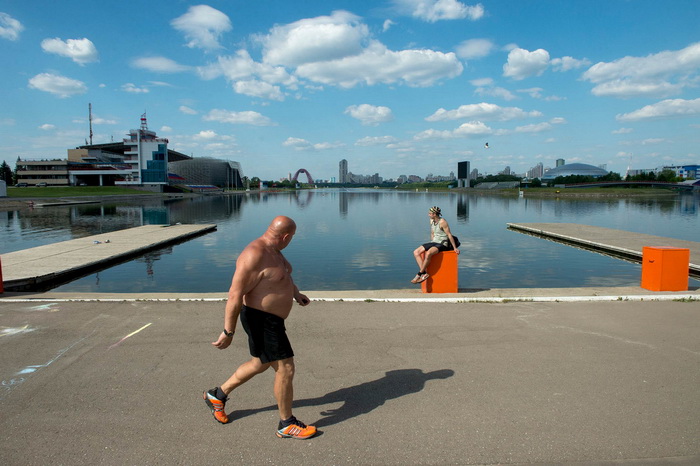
(282, 225)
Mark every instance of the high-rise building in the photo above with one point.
(343, 172)
(463, 174)
(560, 162)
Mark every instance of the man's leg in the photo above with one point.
(284, 390)
(289, 426)
(216, 397)
(244, 373)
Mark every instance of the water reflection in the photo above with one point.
(366, 245)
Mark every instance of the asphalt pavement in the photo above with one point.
(119, 380)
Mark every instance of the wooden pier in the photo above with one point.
(617, 243)
(44, 267)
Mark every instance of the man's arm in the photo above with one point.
(302, 299)
(245, 278)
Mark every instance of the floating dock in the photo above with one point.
(44, 267)
(617, 243)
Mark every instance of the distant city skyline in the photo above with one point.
(393, 86)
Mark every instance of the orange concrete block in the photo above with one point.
(443, 271)
(665, 269)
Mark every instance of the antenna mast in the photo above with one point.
(90, 116)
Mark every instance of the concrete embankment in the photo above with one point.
(390, 383)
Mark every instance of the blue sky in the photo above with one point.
(397, 87)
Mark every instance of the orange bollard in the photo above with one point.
(665, 269)
(443, 271)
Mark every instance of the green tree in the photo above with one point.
(6, 173)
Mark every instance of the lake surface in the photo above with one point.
(359, 239)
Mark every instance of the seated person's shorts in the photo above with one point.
(267, 337)
(440, 246)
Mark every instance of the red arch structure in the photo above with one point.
(308, 175)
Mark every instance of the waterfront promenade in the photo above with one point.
(117, 379)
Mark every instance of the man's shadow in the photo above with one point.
(362, 398)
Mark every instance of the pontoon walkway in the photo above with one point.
(617, 243)
(45, 266)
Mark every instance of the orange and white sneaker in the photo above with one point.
(296, 429)
(216, 405)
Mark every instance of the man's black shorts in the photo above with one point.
(267, 337)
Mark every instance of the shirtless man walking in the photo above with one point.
(261, 293)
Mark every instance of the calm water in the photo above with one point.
(359, 239)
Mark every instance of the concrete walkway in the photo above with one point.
(410, 382)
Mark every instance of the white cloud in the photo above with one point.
(165, 129)
(10, 28)
(103, 121)
(303, 144)
(81, 51)
(187, 110)
(247, 118)
(522, 63)
(484, 111)
(241, 66)
(568, 63)
(661, 74)
(47, 127)
(387, 24)
(472, 128)
(370, 115)
(132, 89)
(623, 131)
(309, 40)
(58, 85)
(535, 128)
(207, 135)
(475, 48)
(375, 141)
(499, 92)
(377, 64)
(255, 88)
(436, 10)
(159, 65)
(202, 26)
(670, 108)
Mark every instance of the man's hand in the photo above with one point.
(302, 299)
(223, 342)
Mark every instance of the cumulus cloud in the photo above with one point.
(159, 65)
(387, 24)
(255, 88)
(375, 140)
(670, 108)
(47, 127)
(534, 128)
(470, 129)
(241, 66)
(81, 51)
(131, 88)
(377, 64)
(187, 110)
(247, 118)
(661, 74)
(58, 85)
(475, 48)
(311, 40)
(523, 63)
(10, 28)
(495, 91)
(202, 26)
(370, 115)
(302, 144)
(436, 10)
(568, 63)
(484, 111)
